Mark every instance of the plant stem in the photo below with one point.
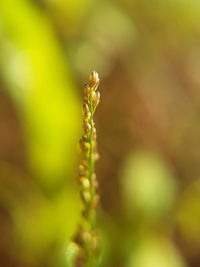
(87, 236)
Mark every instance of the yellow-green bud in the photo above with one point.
(85, 109)
(81, 170)
(86, 126)
(96, 98)
(94, 79)
(86, 197)
(87, 89)
(85, 182)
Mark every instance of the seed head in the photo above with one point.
(87, 176)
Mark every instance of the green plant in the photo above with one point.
(87, 237)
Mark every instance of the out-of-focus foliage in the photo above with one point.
(150, 189)
(148, 57)
(41, 86)
(154, 251)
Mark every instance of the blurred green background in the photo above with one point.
(147, 54)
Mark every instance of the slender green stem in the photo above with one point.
(87, 232)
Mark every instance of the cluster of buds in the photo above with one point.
(87, 176)
(88, 145)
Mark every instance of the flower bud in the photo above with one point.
(86, 126)
(94, 131)
(85, 109)
(86, 236)
(87, 89)
(94, 79)
(95, 184)
(81, 169)
(95, 201)
(96, 156)
(96, 98)
(84, 145)
(93, 177)
(84, 163)
(85, 182)
(86, 197)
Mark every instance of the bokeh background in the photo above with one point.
(147, 54)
